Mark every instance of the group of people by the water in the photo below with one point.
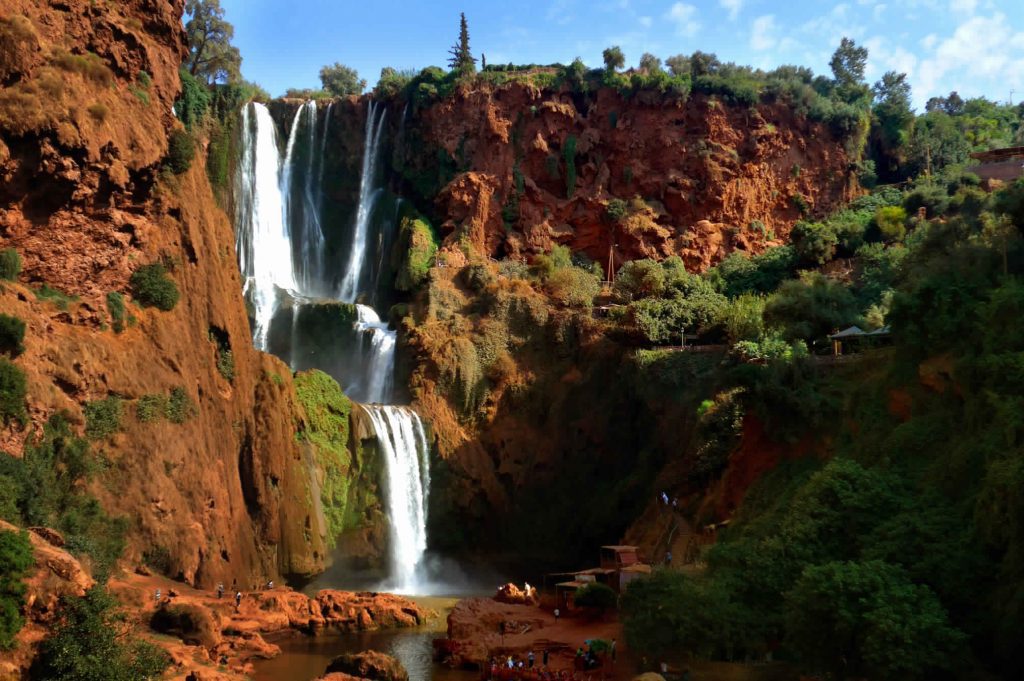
(162, 599)
(517, 668)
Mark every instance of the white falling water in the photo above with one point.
(381, 366)
(368, 195)
(403, 444)
(264, 241)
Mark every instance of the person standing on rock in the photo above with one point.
(557, 613)
(220, 590)
(158, 594)
(530, 659)
(546, 651)
(238, 600)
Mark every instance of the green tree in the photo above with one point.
(211, 54)
(848, 63)
(811, 307)
(678, 65)
(649, 63)
(613, 57)
(462, 59)
(639, 279)
(867, 619)
(815, 242)
(93, 640)
(599, 597)
(15, 562)
(13, 388)
(341, 81)
(891, 221)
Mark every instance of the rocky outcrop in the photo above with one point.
(85, 114)
(525, 168)
(57, 574)
(370, 664)
(510, 593)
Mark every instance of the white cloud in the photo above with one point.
(963, 6)
(762, 33)
(928, 42)
(882, 58)
(981, 49)
(831, 27)
(878, 11)
(734, 7)
(685, 18)
(645, 22)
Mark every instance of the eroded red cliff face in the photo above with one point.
(713, 177)
(85, 114)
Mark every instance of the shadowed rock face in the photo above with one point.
(368, 665)
(82, 198)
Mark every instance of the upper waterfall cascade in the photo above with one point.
(283, 252)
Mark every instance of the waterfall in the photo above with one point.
(380, 368)
(281, 244)
(403, 444)
(368, 196)
(264, 241)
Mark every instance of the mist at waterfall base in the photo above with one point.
(302, 273)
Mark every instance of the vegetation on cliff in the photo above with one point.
(15, 562)
(328, 412)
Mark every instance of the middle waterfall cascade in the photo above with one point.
(282, 246)
(381, 367)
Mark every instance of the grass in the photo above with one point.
(59, 298)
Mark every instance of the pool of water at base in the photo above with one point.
(304, 658)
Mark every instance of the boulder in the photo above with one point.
(369, 664)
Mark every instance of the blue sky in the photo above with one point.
(973, 46)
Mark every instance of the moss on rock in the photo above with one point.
(419, 253)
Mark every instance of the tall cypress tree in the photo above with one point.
(462, 59)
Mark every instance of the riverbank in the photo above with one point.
(209, 638)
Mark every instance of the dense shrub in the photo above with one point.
(814, 242)
(89, 65)
(12, 333)
(118, 312)
(573, 286)
(181, 150)
(89, 642)
(740, 273)
(811, 308)
(153, 288)
(639, 279)
(50, 483)
(180, 407)
(13, 388)
(10, 264)
(102, 418)
(891, 222)
(15, 562)
(420, 253)
(194, 102)
(150, 407)
(597, 596)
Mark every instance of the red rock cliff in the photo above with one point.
(85, 114)
(714, 177)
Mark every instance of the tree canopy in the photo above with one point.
(211, 57)
(341, 81)
(461, 57)
(614, 58)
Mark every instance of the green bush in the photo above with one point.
(814, 242)
(194, 101)
(573, 287)
(16, 560)
(420, 252)
(102, 418)
(150, 407)
(811, 308)
(891, 222)
(59, 298)
(180, 407)
(118, 312)
(569, 154)
(153, 288)
(597, 596)
(326, 428)
(50, 483)
(740, 273)
(615, 211)
(639, 279)
(181, 150)
(10, 264)
(13, 388)
(12, 335)
(90, 642)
